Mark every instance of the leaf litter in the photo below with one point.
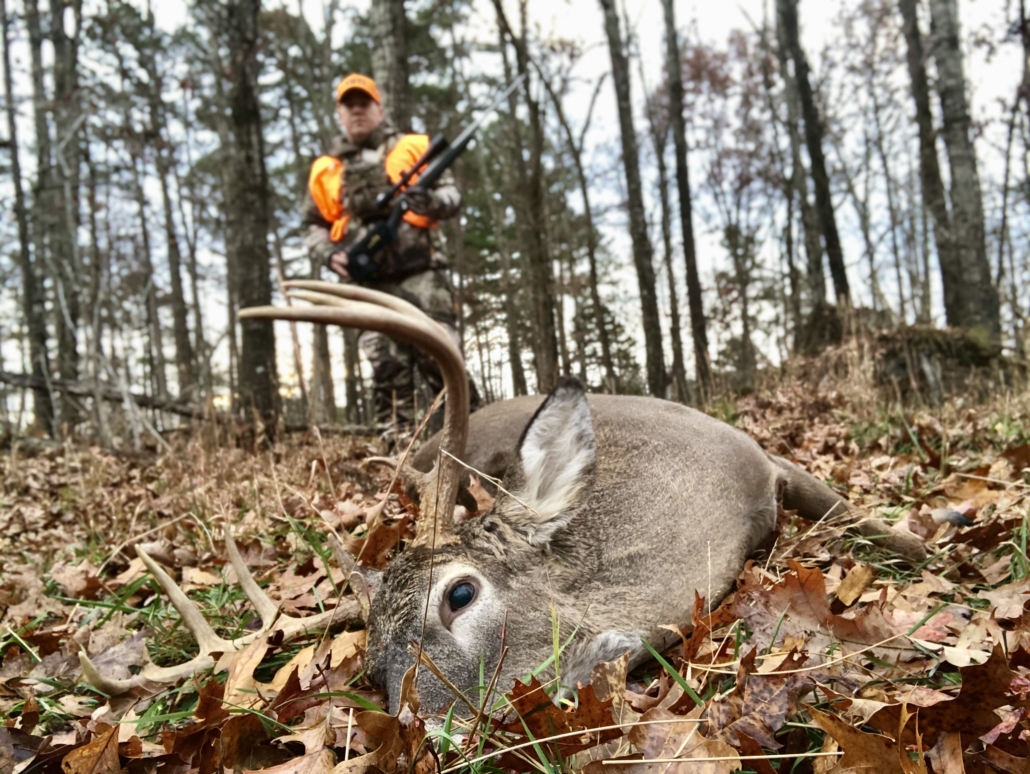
(830, 655)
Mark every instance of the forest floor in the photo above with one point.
(831, 654)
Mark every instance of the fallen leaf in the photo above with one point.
(946, 755)
(861, 750)
(855, 582)
(97, 757)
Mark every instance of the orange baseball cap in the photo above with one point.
(357, 82)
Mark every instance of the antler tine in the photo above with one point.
(271, 619)
(207, 640)
(441, 486)
(266, 608)
(357, 293)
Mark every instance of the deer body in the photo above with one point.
(613, 512)
(639, 503)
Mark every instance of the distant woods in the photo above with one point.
(671, 232)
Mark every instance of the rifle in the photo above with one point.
(366, 256)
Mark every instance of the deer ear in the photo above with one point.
(555, 461)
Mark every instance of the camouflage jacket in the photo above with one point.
(342, 187)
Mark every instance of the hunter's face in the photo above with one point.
(359, 115)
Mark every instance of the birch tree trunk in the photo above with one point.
(698, 324)
(679, 371)
(642, 251)
(32, 298)
(977, 298)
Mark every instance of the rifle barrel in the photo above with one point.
(455, 149)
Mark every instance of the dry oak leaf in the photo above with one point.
(668, 739)
(1019, 456)
(798, 607)
(946, 755)
(759, 704)
(241, 689)
(704, 624)
(858, 579)
(609, 681)
(80, 581)
(320, 762)
(239, 737)
(1003, 761)
(1008, 600)
(380, 733)
(97, 757)
(7, 757)
(985, 687)
(534, 713)
(864, 751)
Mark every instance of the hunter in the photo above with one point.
(344, 186)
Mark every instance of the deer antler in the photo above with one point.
(210, 643)
(351, 306)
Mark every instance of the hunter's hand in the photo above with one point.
(420, 201)
(338, 264)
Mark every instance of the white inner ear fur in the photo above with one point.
(556, 453)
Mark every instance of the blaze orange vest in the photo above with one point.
(326, 183)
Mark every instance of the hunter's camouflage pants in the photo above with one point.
(399, 393)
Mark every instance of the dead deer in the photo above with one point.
(612, 513)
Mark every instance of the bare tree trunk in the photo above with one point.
(642, 251)
(892, 206)
(792, 305)
(33, 305)
(298, 360)
(157, 357)
(659, 138)
(861, 202)
(200, 344)
(352, 384)
(248, 204)
(978, 296)
(815, 275)
(787, 13)
(929, 168)
(509, 292)
(531, 193)
(184, 358)
(51, 240)
(390, 59)
(67, 120)
(99, 263)
(698, 324)
(576, 150)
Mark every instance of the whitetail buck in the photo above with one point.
(613, 511)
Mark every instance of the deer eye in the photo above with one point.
(461, 596)
(457, 599)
